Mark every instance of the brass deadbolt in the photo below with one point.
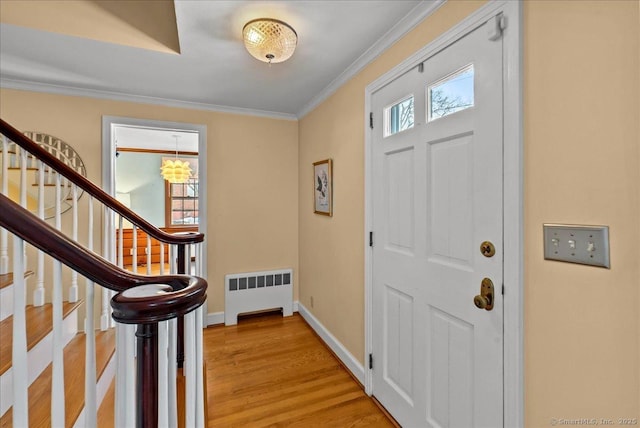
(484, 300)
(487, 249)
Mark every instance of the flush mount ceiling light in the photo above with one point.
(176, 171)
(269, 40)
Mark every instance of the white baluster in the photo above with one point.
(161, 258)
(120, 243)
(57, 380)
(4, 234)
(134, 249)
(58, 211)
(200, 422)
(198, 262)
(105, 312)
(148, 255)
(73, 290)
(23, 178)
(23, 187)
(19, 343)
(50, 174)
(163, 374)
(110, 254)
(172, 372)
(90, 393)
(39, 293)
(172, 259)
(190, 369)
(200, 272)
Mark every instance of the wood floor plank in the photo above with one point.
(38, 320)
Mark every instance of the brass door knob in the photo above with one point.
(484, 300)
(481, 302)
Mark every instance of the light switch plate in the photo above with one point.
(587, 245)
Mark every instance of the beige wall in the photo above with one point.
(581, 166)
(252, 174)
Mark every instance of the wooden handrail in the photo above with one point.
(187, 292)
(40, 153)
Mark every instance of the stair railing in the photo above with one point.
(144, 301)
(97, 211)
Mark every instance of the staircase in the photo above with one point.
(114, 330)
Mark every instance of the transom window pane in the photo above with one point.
(451, 94)
(398, 117)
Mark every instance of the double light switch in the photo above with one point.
(587, 245)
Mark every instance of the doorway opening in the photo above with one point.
(133, 152)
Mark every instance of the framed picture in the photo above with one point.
(322, 188)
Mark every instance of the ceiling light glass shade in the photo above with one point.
(269, 40)
(175, 171)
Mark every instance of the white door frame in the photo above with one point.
(109, 162)
(513, 351)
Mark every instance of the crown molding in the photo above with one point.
(405, 25)
(117, 96)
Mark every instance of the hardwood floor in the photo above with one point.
(270, 371)
(274, 371)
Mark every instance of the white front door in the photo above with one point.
(437, 196)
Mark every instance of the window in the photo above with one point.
(451, 94)
(398, 117)
(184, 203)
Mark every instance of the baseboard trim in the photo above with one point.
(347, 359)
(215, 318)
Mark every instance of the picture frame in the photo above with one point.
(323, 187)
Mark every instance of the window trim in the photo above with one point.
(443, 79)
(167, 209)
(386, 115)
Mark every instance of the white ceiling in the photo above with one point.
(213, 70)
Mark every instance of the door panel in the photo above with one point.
(398, 370)
(437, 194)
(399, 191)
(451, 204)
(450, 371)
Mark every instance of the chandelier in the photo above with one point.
(175, 171)
(269, 40)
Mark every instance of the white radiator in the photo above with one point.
(256, 291)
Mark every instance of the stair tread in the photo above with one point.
(74, 366)
(6, 279)
(38, 326)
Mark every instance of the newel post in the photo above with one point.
(147, 375)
